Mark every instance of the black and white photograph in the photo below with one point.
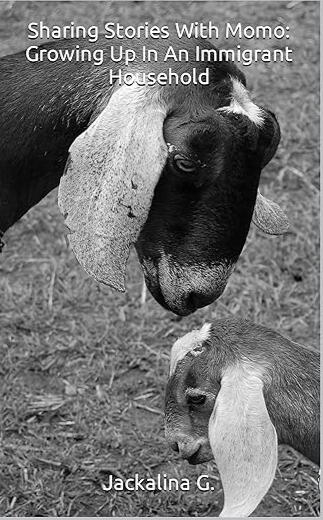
(159, 239)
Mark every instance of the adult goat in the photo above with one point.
(172, 169)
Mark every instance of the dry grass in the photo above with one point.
(84, 368)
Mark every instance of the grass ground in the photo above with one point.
(84, 368)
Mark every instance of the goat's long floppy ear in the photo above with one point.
(109, 180)
(269, 217)
(243, 440)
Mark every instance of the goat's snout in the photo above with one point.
(188, 448)
(180, 290)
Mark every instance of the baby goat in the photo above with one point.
(235, 391)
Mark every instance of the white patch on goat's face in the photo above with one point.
(242, 104)
(191, 342)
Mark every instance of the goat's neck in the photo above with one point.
(43, 110)
(293, 404)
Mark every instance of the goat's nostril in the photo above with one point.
(196, 300)
(175, 447)
(191, 300)
(194, 458)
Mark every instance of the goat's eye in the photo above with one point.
(184, 164)
(196, 399)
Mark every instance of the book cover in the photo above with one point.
(159, 288)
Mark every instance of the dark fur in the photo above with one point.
(200, 219)
(291, 385)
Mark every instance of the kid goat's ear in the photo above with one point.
(243, 440)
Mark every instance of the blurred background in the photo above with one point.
(84, 368)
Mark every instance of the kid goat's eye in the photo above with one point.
(196, 399)
(184, 164)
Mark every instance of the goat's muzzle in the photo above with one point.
(183, 289)
(194, 450)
